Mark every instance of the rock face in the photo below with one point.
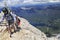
(27, 32)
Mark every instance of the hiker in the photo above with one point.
(10, 20)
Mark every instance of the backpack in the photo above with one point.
(9, 17)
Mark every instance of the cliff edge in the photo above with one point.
(27, 32)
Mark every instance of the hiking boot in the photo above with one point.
(18, 29)
(11, 33)
(10, 36)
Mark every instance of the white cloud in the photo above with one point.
(27, 1)
(47, 0)
(9, 2)
(54, 0)
(39, 1)
(17, 2)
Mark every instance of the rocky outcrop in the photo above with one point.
(27, 32)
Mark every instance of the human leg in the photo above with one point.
(9, 28)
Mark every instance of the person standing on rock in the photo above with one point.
(10, 20)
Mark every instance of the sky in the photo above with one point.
(17, 2)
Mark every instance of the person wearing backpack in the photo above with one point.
(10, 20)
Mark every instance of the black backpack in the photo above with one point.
(9, 17)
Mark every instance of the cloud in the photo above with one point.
(54, 0)
(39, 1)
(27, 1)
(18, 2)
(9, 2)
